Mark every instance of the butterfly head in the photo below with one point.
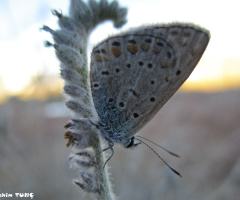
(112, 137)
(130, 143)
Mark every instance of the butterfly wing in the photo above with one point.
(134, 74)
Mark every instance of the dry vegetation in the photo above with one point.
(204, 128)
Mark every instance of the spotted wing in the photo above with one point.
(134, 74)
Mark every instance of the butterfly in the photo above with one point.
(133, 74)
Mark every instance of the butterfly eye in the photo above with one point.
(131, 142)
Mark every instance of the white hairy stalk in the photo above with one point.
(71, 49)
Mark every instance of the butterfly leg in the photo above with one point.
(111, 148)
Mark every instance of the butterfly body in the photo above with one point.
(135, 73)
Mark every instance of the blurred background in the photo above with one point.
(201, 122)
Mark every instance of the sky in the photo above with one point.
(23, 54)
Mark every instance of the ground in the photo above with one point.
(203, 128)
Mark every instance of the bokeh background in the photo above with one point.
(201, 122)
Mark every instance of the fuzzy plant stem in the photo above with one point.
(71, 49)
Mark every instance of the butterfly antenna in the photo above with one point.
(174, 154)
(175, 171)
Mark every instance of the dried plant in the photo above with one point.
(71, 49)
